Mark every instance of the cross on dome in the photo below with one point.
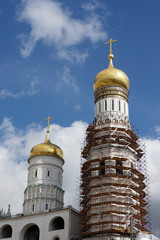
(110, 42)
(48, 119)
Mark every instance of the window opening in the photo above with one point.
(102, 170)
(119, 170)
(32, 233)
(33, 207)
(99, 107)
(46, 205)
(56, 224)
(112, 104)
(36, 173)
(106, 105)
(6, 232)
(48, 173)
(119, 106)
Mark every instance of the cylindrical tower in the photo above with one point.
(44, 190)
(111, 95)
(113, 204)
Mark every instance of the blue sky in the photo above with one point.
(62, 85)
(50, 53)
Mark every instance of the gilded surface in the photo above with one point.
(46, 148)
(111, 91)
(111, 75)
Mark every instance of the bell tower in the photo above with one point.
(113, 181)
(44, 189)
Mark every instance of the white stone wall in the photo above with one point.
(44, 165)
(44, 190)
(21, 224)
(112, 108)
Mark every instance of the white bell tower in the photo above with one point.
(44, 190)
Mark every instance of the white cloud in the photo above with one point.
(55, 25)
(66, 78)
(157, 129)
(153, 162)
(145, 236)
(4, 93)
(73, 55)
(77, 108)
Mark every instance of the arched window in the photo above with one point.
(56, 224)
(32, 233)
(6, 232)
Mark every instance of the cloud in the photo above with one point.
(56, 26)
(66, 78)
(145, 236)
(157, 129)
(4, 93)
(73, 55)
(15, 146)
(77, 108)
(153, 155)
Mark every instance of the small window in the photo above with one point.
(102, 170)
(46, 205)
(48, 173)
(112, 104)
(119, 163)
(36, 173)
(99, 107)
(106, 105)
(119, 170)
(33, 207)
(119, 106)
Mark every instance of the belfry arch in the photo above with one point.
(30, 232)
(56, 223)
(6, 232)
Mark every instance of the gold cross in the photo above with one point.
(49, 118)
(110, 42)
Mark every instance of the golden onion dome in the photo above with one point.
(47, 148)
(111, 76)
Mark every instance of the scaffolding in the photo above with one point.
(114, 185)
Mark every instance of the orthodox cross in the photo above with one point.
(49, 118)
(110, 42)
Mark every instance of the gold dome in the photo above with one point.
(111, 76)
(47, 148)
